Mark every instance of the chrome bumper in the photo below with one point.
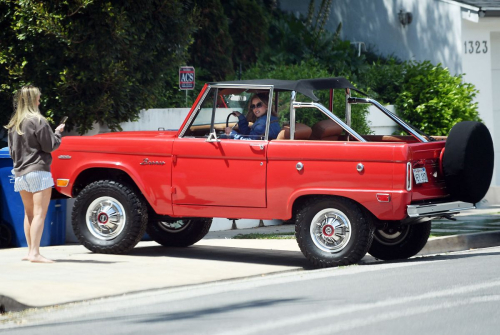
(429, 210)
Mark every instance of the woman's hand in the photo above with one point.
(228, 130)
(60, 127)
(237, 114)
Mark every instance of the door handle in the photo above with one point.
(260, 146)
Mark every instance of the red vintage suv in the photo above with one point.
(348, 193)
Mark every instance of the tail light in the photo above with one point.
(408, 176)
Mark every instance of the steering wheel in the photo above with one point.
(227, 119)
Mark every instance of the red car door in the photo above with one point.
(226, 173)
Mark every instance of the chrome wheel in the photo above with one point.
(330, 230)
(105, 218)
(174, 226)
(179, 233)
(398, 241)
(391, 236)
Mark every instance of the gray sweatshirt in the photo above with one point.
(31, 151)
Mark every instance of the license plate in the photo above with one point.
(420, 175)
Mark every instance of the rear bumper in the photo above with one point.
(438, 209)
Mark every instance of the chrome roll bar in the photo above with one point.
(390, 114)
(325, 110)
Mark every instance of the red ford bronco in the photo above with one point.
(348, 193)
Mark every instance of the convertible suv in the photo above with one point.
(348, 193)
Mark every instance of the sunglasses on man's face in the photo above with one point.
(258, 105)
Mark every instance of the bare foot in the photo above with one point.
(25, 258)
(39, 259)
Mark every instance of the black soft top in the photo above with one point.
(304, 86)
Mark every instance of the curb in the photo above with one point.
(10, 305)
(461, 242)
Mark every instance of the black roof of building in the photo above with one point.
(487, 8)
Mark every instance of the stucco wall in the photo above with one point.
(479, 67)
(433, 35)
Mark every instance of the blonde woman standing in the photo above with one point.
(31, 140)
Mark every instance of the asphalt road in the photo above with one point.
(455, 293)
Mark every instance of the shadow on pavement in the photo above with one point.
(199, 313)
(440, 257)
(227, 254)
(168, 317)
(82, 261)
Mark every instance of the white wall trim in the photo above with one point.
(459, 4)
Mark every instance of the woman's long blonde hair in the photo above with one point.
(25, 107)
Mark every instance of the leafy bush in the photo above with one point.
(292, 41)
(433, 100)
(95, 61)
(248, 26)
(212, 46)
(383, 79)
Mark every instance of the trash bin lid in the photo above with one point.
(4, 152)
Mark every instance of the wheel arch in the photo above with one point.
(91, 175)
(299, 201)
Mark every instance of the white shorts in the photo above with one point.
(35, 181)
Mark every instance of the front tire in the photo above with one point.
(400, 241)
(179, 233)
(333, 231)
(109, 217)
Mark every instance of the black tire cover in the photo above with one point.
(468, 161)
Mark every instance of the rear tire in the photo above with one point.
(333, 231)
(400, 241)
(109, 218)
(179, 233)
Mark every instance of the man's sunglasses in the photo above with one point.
(258, 105)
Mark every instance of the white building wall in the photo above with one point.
(495, 77)
(152, 119)
(379, 123)
(434, 34)
(481, 65)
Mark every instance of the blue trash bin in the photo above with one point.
(11, 206)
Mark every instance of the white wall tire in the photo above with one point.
(333, 231)
(109, 217)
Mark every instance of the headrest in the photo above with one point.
(302, 132)
(326, 129)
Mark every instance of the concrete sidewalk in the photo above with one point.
(80, 275)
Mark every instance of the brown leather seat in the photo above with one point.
(302, 132)
(326, 130)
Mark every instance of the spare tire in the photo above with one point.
(468, 161)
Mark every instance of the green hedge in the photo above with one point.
(434, 100)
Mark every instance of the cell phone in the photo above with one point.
(63, 120)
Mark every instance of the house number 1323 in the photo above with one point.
(476, 47)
